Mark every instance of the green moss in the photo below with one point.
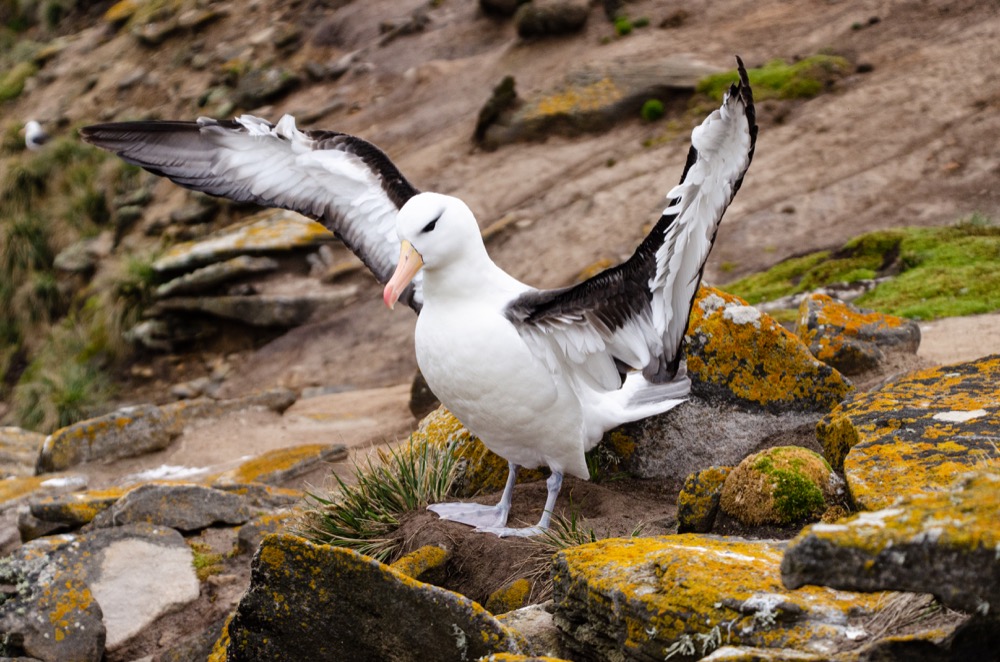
(652, 110)
(623, 26)
(777, 79)
(943, 271)
(796, 497)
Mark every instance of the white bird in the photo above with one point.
(34, 135)
(538, 375)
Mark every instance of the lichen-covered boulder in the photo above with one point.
(917, 433)
(124, 433)
(698, 501)
(281, 464)
(680, 597)
(480, 469)
(75, 509)
(738, 355)
(316, 602)
(849, 339)
(426, 564)
(271, 231)
(945, 543)
(183, 507)
(509, 597)
(781, 485)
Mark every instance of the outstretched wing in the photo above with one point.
(635, 315)
(346, 183)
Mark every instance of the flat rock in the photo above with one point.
(738, 355)
(183, 507)
(19, 451)
(916, 434)
(282, 464)
(850, 339)
(74, 509)
(680, 597)
(315, 602)
(271, 231)
(96, 590)
(260, 310)
(945, 543)
(125, 433)
(213, 275)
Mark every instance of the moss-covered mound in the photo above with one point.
(779, 486)
(780, 80)
(937, 272)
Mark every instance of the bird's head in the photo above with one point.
(436, 231)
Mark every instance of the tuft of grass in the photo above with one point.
(363, 516)
(206, 562)
(652, 110)
(12, 82)
(623, 25)
(780, 80)
(939, 272)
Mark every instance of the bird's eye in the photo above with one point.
(430, 226)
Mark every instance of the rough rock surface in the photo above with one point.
(212, 275)
(648, 598)
(945, 543)
(262, 310)
(849, 339)
(182, 507)
(698, 501)
(81, 594)
(780, 485)
(738, 355)
(916, 434)
(281, 464)
(18, 451)
(319, 603)
(544, 18)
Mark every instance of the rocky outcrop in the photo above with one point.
(850, 339)
(945, 543)
(917, 433)
(781, 485)
(78, 596)
(349, 606)
(182, 507)
(684, 596)
(738, 355)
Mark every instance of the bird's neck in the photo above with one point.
(473, 277)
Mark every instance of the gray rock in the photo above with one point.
(698, 501)
(195, 213)
(164, 333)
(944, 543)
(282, 464)
(183, 507)
(19, 451)
(83, 256)
(251, 534)
(125, 433)
(549, 18)
(212, 275)
(264, 310)
(537, 625)
(350, 607)
(260, 86)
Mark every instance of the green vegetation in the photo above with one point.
(364, 515)
(652, 110)
(12, 82)
(206, 562)
(779, 80)
(937, 272)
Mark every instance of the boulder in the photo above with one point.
(183, 507)
(698, 501)
(316, 602)
(94, 591)
(680, 597)
(781, 485)
(945, 543)
(738, 355)
(271, 231)
(124, 433)
(75, 509)
(915, 434)
(282, 464)
(850, 339)
(550, 18)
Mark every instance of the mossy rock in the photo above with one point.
(481, 470)
(781, 485)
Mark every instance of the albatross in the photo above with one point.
(539, 375)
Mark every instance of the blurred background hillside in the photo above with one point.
(875, 117)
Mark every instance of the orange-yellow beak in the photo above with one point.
(409, 264)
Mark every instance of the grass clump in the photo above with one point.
(652, 110)
(778, 79)
(363, 515)
(12, 82)
(935, 272)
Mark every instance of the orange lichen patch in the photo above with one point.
(268, 231)
(510, 597)
(124, 433)
(778, 485)
(698, 501)
(419, 562)
(576, 99)
(64, 602)
(484, 471)
(741, 354)
(649, 594)
(916, 434)
(280, 464)
(15, 488)
(76, 509)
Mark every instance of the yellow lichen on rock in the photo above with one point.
(420, 562)
(279, 463)
(575, 99)
(510, 597)
(698, 501)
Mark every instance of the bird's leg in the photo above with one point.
(476, 514)
(554, 484)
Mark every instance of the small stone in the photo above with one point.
(698, 501)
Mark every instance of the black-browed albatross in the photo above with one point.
(538, 375)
